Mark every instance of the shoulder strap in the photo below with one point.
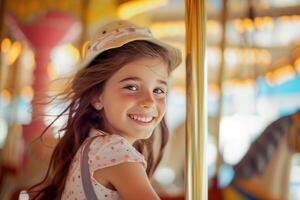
(85, 172)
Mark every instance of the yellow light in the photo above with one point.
(5, 45)
(235, 81)
(297, 64)
(262, 23)
(27, 92)
(295, 17)
(213, 87)
(213, 27)
(249, 81)
(258, 22)
(248, 24)
(132, 8)
(268, 22)
(74, 52)
(238, 23)
(268, 19)
(284, 18)
(51, 72)
(163, 29)
(14, 52)
(6, 94)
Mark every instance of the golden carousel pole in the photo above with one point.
(84, 19)
(196, 123)
(2, 32)
(219, 159)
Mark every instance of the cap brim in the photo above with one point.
(174, 53)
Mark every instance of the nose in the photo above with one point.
(147, 101)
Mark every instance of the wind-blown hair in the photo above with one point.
(82, 116)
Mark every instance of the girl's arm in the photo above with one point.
(129, 179)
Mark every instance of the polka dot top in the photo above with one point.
(105, 151)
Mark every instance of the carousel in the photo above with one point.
(233, 106)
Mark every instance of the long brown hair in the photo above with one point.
(87, 83)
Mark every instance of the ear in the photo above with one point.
(96, 103)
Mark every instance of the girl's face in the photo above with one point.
(134, 98)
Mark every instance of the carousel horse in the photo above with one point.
(263, 173)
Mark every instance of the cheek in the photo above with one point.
(161, 105)
(126, 98)
(117, 102)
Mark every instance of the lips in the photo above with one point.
(141, 118)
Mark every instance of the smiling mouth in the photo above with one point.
(139, 119)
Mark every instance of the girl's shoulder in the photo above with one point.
(110, 150)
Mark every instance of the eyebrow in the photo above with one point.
(139, 79)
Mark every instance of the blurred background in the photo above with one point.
(253, 65)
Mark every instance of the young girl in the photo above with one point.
(117, 101)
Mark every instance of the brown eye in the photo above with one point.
(159, 91)
(131, 87)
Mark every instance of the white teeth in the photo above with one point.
(142, 119)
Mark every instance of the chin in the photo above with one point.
(145, 136)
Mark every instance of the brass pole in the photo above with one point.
(196, 124)
(2, 17)
(2, 33)
(84, 20)
(219, 160)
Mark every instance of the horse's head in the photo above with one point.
(294, 135)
